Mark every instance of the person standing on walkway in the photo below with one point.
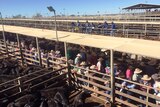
(87, 26)
(113, 29)
(105, 28)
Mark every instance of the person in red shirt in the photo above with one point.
(129, 72)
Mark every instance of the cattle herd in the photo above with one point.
(18, 88)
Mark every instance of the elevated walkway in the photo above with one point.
(147, 48)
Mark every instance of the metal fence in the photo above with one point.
(122, 29)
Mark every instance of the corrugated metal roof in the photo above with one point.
(142, 6)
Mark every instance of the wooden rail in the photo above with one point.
(84, 78)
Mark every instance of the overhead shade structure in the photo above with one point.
(142, 6)
(148, 48)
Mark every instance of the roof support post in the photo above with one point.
(39, 52)
(123, 29)
(68, 65)
(3, 33)
(127, 33)
(20, 49)
(112, 77)
(145, 32)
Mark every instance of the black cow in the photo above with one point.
(57, 96)
(9, 67)
(22, 101)
(79, 101)
(51, 92)
(61, 99)
(44, 103)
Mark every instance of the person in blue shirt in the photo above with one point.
(105, 27)
(113, 29)
(73, 26)
(78, 26)
(87, 26)
(78, 23)
(126, 85)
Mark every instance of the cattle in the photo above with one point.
(5, 78)
(57, 96)
(51, 92)
(79, 101)
(44, 103)
(57, 99)
(6, 67)
(4, 102)
(61, 99)
(22, 101)
(30, 100)
(9, 67)
(52, 103)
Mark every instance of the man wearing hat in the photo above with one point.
(58, 54)
(83, 66)
(145, 81)
(137, 75)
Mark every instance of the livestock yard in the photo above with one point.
(105, 61)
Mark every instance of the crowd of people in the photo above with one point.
(143, 70)
(90, 28)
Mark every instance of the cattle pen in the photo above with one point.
(137, 47)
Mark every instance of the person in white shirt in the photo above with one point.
(100, 67)
(77, 60)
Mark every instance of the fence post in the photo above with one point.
(39, 52)
(68, 65)
(112, 77)
(19, 83)
(147, 96)
(127, 33)
(20, 49)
